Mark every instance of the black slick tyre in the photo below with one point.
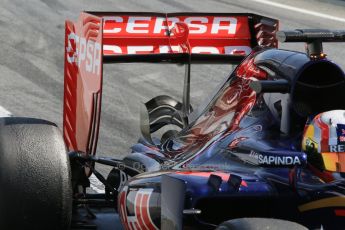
(35, 183)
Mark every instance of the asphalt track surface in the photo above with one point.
(32, 49)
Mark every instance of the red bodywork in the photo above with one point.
(83, 83)
(124, 37)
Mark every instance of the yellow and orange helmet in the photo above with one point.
(324, 141)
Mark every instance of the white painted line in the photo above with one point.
(303, 11)
(4, 112)
(96, 185)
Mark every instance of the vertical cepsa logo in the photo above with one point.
(84, 52)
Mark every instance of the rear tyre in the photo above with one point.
(35, 183)
(259, 224)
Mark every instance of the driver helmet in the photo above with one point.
(324, 141)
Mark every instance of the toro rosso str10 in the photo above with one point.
(266, 151)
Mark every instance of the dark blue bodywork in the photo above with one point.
(255, 167)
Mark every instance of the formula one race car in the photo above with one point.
(266, 152)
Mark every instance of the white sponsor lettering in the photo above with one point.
(114, 50)
(97, 55)
(133, 25)
(167, 49)
(87, 51)
(195, 26)
(276, 160)
(159, 24)
(137, 49)
(81, 51)
(231, 27)
(89, 58)
(205, 49)
(254, 154)
(279, 160)
(112, 18)
(69, 48)
(337, 148)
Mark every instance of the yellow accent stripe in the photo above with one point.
(338, 201)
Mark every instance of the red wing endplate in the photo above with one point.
(82, 83)
(145, 37)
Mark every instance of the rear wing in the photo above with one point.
(111, 37)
